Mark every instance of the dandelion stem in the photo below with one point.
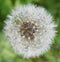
(36, 60)
(27, 60)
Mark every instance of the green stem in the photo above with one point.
(36, 60)
(27, 60)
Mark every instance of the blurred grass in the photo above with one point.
(6, 52)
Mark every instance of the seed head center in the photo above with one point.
(28, 29)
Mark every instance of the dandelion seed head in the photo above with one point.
(30, 30)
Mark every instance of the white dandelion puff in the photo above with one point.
(30, 30)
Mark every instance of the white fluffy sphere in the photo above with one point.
(30, 30)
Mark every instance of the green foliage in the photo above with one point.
(25, 1)
(6, 52)
(5, 7)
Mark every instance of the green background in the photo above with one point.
(6, 52)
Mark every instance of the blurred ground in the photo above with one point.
(6, 52)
